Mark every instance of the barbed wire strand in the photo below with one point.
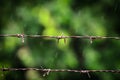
(58, 70)
(47, 71)
(58, 37)
(91, 38)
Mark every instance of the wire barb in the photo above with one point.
(47, 72)
(91, 40)
(88, 74)
(61, 37)
(21, 36)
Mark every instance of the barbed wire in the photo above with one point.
(57, 70)
(47, 71)
(91, 38)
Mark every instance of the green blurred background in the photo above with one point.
(56, 17)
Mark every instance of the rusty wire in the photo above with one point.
(58, 37)
(58, 70)
(91, 38)
(47, 71)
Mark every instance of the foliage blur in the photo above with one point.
(56, 17)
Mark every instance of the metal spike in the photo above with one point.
(91, 40)
(88, 74)
(65, 40)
